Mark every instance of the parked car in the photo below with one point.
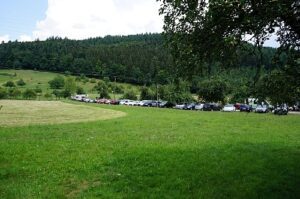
(211, 107)
(114, 102)
(155, 103)
(245, 108)
(180, 106)
(229, 108)
(199, 106)
(129, 103)
(190, 106)
(123, 101)
(237, 106)
(281, 110)
(148, 103)
(261, 109)
(166, 104)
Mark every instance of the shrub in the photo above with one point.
(14, 93)
(9, 84)
(21, 82)
(57, 83)
(29, 94)
(80, 90)
(102, 89)
(130, 94)
(147, 93)
(48, 95)
(3, 93)
(93, 80)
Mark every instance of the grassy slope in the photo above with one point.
(23, 113)
(39, 79)
(154, 153)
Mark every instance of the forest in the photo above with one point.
(140, 59)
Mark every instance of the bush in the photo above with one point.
(38, 90)
(102, 89)
(93, 80)
(57, 83)
(212, 90)
(9, 84)
(80, 90)
(130, 94)
(29, 94)
(14, 93)
(48, 95)
(21, 82)
(147, 93)
(3, 93)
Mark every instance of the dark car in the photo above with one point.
(245, 108)
(155, 103)
(281, 110)
(211, 107)
(190, 106)
(148, 103)
(166, 104)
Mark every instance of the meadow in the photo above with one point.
(39, 79)
(153, 153)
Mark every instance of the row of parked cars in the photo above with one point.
(281, 110)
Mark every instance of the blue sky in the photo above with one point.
(19, 17)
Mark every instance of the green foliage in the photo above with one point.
(3, 93)
(57, 83)
(201, 33)
(70, 85)
(212, 90)
(177, 92)
(147, 93)
(21, 82)
(130, 94)
(93, 80)
(9, 84)
(102, 89)
(38, 90)
(80, 90)
(14, 93)
(48, 96)
(29, 94)
(58, 94)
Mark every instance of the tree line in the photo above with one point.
(140, 59)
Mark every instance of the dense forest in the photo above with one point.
(138, 59)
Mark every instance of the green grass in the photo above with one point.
(22, 113)
(154, 153)
(34, 79)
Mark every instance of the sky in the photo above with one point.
(28, 20)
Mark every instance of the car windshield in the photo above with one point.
(229, 105)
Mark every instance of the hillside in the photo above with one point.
(139, 59)
(37, 79)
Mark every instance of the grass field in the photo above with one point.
(154, 153)
(22, 113)
(34, 79)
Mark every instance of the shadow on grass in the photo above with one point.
(245, 170)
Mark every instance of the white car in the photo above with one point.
(199, 106)
(123, 101)
(229, 108)
(129, 103)
(180, 106)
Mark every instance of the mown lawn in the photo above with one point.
(154, 153)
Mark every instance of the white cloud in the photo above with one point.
(4, 38)
(24, 38)
(79, 19)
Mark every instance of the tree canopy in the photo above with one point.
(201, 31)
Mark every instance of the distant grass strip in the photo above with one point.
(22, 113)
